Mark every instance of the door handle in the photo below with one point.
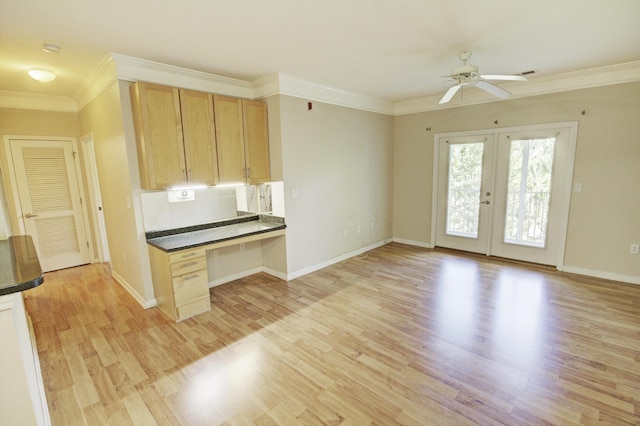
(485, 202)
(29, 215)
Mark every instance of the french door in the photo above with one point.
(505, 193)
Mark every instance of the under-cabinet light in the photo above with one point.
(187, 187)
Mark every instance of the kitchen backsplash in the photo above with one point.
(210, 204)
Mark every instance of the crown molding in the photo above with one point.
(284, 84)
(35, 101)
(119, 67)
(575, 80)
(134, 69)
(102, 76)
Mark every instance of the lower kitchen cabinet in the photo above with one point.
(180, 282)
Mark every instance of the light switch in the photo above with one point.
(295, 193)
(577, 187)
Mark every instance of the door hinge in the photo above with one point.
(87, 244)
(80, 200)
(74, 154)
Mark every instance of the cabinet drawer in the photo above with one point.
(189, 287)
(186, 255)
(193, 308)
(188, 266)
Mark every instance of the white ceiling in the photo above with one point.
(389, 49)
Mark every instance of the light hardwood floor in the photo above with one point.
(402, 336)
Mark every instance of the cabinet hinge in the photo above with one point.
(87, 244)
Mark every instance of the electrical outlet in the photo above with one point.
(634, 249)
(358, 229)
(241, 246)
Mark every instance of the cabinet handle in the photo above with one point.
(189, 255)
(189, 264)
(190, 277)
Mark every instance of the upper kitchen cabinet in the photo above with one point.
(199, 137)
(256, 139)
(242, 140)
(175, 135)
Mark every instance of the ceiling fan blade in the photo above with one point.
(504, 77)
(452, 91)
(494, 90)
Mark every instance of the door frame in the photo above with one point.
(13, 200)
(565, 203)
(95, 197)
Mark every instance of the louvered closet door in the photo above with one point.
(50, 200)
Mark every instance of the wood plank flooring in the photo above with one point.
(401, 336)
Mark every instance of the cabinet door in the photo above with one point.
(199, 137)
(229, 138)
(256, 136)
(159, 135)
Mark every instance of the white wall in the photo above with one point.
(339, 160)
(108, 118)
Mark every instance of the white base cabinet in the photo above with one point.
(22, 396)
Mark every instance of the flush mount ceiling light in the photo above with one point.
(50, 48)
(42, 75)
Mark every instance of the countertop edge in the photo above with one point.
(205, 243)
(21, 268)
(27, 285)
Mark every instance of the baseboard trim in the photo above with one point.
(630, 279)
(273, 272)
(235, 276)
(413, 243)
(321, 265)
(144, 303)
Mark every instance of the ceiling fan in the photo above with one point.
(468, 75)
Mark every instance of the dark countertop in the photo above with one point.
(19, 265)
(200, 235)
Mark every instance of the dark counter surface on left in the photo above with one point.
(19, 265)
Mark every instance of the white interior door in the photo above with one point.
(93, 181)
(506, 194)
(48, 190)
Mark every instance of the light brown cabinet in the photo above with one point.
(175, 136)
(242, 140)
(180, 282)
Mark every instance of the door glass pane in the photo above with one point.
(529, 188)
(465, 179)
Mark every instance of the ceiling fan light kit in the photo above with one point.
(469, 75)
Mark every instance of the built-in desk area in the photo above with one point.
(179, 264)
